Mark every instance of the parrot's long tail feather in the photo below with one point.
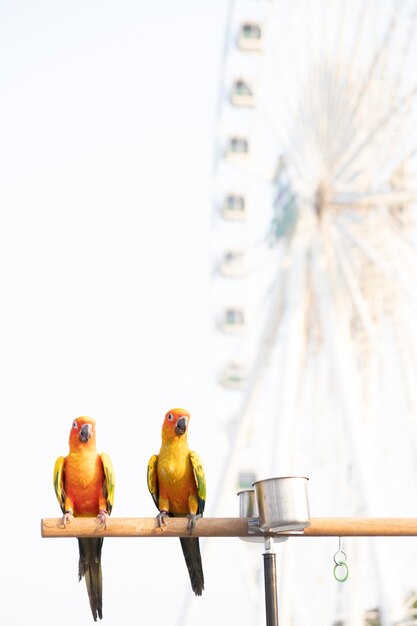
(90, 567)
(191, 550)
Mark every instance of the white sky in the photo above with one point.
(107, 136)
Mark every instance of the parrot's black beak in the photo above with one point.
(181, 426)
(85, 432)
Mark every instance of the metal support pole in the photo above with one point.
(270, 577)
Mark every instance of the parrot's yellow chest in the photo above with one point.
(175, 477)
(84, 478)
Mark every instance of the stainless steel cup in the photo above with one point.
(247, 503)
(283, 503)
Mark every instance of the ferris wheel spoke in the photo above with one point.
(345, 73)
(351, 283)
(367, 83)
(292, 351)
(405, 247)
(345, 374)
(376, 131)
(409, 40)
(382, 265)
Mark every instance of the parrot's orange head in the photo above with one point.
(176, 422)
(83, 431)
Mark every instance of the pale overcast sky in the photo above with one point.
(107, 123)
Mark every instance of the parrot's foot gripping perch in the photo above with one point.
(67, 517)
(161, 518)
(103, 518)
(192, 520)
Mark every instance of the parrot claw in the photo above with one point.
(192, 519)
(103, 518)
(66, 518)
(160, 518)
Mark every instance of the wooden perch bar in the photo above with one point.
(144, 527)
(227, 527)
(362, 527)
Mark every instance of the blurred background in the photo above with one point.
(210, 205)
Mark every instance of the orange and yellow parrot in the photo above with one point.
(178, 487)
(84, 487)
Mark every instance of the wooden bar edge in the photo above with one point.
(226, 527)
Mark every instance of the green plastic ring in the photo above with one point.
(341, 579)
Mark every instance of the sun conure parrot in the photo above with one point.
(178, 487)
(84, 487)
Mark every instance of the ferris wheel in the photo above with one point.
(315, 303)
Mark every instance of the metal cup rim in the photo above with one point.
(265, 480)
(245, 491)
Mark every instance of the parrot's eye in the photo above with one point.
(75, 425)
(170, 417)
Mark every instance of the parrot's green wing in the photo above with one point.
(59, 471)
(153, 479)
(109, 481)
(200, 480)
